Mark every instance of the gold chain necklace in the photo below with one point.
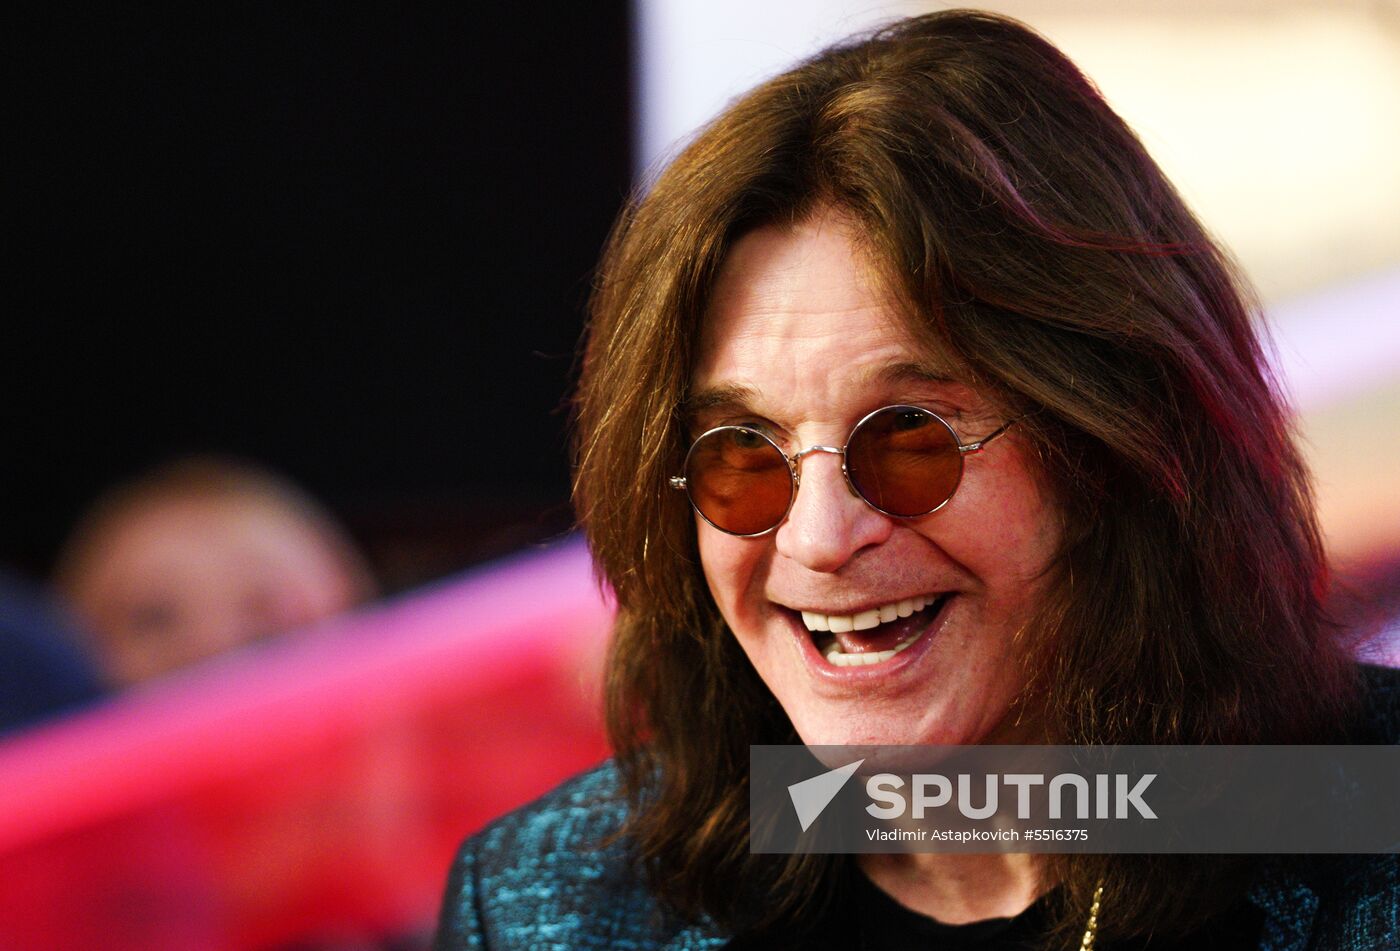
(1091, 927)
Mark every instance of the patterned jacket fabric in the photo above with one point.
(538, 878)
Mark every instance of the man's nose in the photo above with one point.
(828, 522)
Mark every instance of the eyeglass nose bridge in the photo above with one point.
(795, 464)
(797, 457)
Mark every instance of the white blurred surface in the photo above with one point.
(1279, 121)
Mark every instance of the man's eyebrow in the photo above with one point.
(912, 372)
(713, 397)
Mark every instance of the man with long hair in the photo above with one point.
(917, 408)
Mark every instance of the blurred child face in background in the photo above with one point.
(174, 580)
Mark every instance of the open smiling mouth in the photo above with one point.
(876, 635)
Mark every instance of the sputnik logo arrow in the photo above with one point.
(811, 796)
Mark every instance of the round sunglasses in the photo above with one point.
(903, 461)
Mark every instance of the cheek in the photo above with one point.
(1024, 538)
(1023, 523)
(731, 565)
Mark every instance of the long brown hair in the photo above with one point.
(1021, 226)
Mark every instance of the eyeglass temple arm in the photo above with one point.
(981, 444)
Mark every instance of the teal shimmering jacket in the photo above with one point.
(538, 879)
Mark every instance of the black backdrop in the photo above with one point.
(353, 246)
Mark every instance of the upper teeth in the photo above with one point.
(865, 620)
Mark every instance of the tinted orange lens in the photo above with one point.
(739, 480)
(904, 461)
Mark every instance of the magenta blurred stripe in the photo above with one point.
(423, 650)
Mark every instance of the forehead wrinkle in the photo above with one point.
(738, 396)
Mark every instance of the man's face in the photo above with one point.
(800, 344)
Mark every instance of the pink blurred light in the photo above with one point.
(1339, 342)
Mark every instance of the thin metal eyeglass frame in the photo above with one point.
(794, 470)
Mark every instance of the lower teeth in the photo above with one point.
(839, 658)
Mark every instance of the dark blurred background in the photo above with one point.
(353, 244)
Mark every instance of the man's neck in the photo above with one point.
(957, 889)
